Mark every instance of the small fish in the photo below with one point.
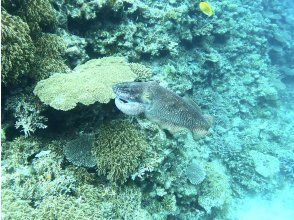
(206, 8)
(162, 106)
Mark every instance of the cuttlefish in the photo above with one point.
(162, 106)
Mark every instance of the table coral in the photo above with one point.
(88, 83)
(78, 151)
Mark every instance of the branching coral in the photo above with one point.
(39, 14)
(48, 56)
(119, 149)
(128, 204)
(18, 151)
(14, 208)
(27, 115)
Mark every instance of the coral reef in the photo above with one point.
(265, 165)
(119, 148)
(78, 151)
(88, 83)
(236, 64)
(29, 51)
(17, 48)
(215, 190)
(195, 173)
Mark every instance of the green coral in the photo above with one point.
(39, 14)
(119, 148)
(17, 48)
(215, 190)
(27, 51)
(88, 83)
(48, 56)
(88, 204)
(14, 208)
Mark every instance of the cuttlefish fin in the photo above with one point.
(192, 103)
(199, 133)
(173, 129)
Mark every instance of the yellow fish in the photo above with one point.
(206, 8)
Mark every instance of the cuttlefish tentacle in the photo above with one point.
(129, 108)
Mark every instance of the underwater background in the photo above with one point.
(69, 153)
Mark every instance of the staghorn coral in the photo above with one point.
(88, 83)
(119, 148)
(78, 151)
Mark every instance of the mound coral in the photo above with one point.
(119, 148)
(88, 83)
(265, 165)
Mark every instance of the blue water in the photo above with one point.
(68, 152)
